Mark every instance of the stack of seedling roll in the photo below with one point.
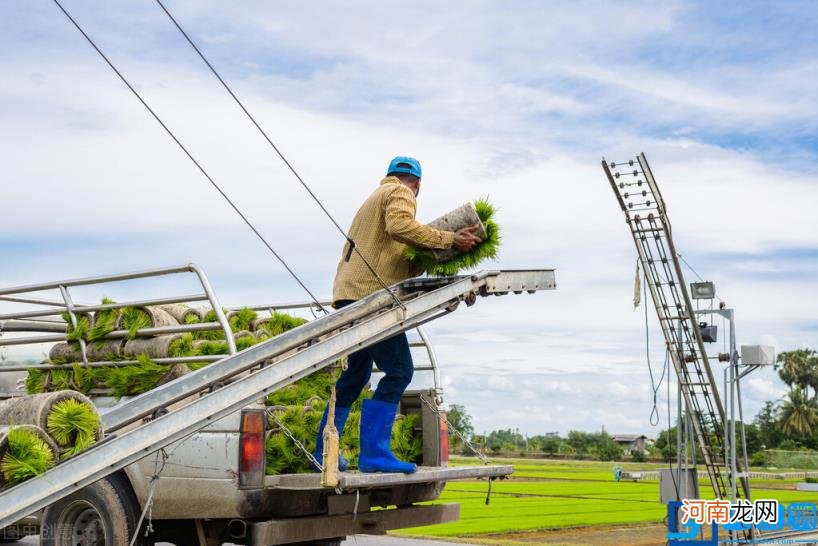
(299, 406)
(39, 429)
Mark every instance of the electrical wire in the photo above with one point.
(350, 241)
(190, 156)
(690, 267)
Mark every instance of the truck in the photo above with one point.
(210, 487)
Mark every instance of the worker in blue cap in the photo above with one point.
(381, 229)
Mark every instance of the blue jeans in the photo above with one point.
(392, 356)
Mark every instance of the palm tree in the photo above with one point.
(799, 414)
(798, 369)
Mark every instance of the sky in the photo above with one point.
(518, 101)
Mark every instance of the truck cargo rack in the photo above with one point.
(239, 379)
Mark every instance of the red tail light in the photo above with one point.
(251, 448)
(444, 443)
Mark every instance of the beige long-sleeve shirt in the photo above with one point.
(381, 229)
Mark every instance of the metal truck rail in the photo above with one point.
(239, 379)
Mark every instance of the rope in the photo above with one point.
(148, 510)
(190, 156)
(350, 241)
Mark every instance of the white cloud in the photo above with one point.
(522, 115)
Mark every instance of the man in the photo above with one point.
(381, 229)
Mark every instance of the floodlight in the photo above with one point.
(703, 290)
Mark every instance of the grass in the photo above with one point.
(547, 494)
(485, 250)
(27, 455)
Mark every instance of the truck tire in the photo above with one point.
(102, 514)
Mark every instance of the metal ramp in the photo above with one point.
(646, 215)
(237, 380)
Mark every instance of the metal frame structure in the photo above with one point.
(646, 216)
(228, 385)
(34, 321)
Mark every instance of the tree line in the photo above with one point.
(789, 423)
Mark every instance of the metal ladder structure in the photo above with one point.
(149, 422)
(646, 215)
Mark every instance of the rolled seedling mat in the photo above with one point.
(174, 372)
(69, 417)
(181, 313)
(152, 347)
(65, 353)
(277, 323)
(25, 451)
(153, 317)
(463, 216)
(109, 349)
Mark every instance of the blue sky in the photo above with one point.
(516, 100)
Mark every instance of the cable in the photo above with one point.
(190, 156)
(350, 241)
(654, 413)
(690, 267)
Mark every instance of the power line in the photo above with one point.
(275, 148)
(190, 156)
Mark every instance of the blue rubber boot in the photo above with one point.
(341, 415)
(376, 432)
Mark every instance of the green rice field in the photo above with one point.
(546, 495)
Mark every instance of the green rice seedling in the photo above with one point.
(279, 323)
(135, 379)
(485, 250)
(192, 318)
(73, 425)
(83, 378)
(210, 316)
(59, 380)
(283, 457)
(27, 456)
(405, 445)
(35, 381)
(104, 321)
(182, 347)
(297, 393)
(245, 342)
(80, 331)
(212, 347)
(133, 320)
(242, 319)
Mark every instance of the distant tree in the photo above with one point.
(799, 370)
(505, 440)
(769, 425)
(460, 419)
(799, 414)
(550, 445)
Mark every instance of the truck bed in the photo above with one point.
(353, 479)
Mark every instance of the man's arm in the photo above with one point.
(401, 224)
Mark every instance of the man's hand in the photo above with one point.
(465, 239)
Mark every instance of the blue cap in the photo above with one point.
(404, 164)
